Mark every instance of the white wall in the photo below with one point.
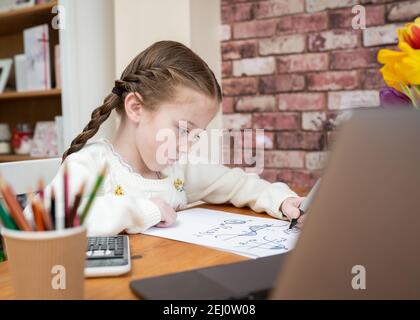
(87, 62)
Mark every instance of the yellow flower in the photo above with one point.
(403, 68)
(391, 71)
(409, 36)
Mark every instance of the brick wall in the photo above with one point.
(292, 67)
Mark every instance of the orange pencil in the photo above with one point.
(36, 210)
(14, 206)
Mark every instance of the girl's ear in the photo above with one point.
(133, 106)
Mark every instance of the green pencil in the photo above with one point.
(7, 220)
(92, 195)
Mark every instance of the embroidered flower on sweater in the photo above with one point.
(179, 184)
(118, 190)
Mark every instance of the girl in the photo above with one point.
(167, 86)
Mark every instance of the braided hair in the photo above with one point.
(154, 74)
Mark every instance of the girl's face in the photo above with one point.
(169, 127)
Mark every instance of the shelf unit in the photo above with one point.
(27, 106)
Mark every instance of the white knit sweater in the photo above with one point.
(122, 203)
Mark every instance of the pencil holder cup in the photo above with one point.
(47, 265)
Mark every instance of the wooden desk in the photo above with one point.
(150, 256)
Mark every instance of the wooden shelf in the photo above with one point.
(16, 20)
(12, 95)
(16, 157)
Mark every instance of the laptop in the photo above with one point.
(361, 237)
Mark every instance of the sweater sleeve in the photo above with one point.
(110, 214)
(216, 183)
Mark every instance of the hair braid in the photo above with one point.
(99, 115)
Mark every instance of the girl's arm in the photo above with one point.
(216, 183)
(109, 214)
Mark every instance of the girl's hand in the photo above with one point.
(168, 213)
(290, 208)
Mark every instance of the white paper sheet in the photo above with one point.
(253, 237)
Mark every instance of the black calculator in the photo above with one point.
(107, 256)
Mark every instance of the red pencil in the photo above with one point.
(66, 197)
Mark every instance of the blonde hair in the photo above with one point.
(154, 74)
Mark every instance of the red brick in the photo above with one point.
(276, 8)
(237, 12)
(276, 121)
(269, 174)
(403, 10)
(372, 79)
(284, 159)
(228, 104)
(342, 18)
(254, 29)
(239, 86)
(300, 140)
(333, 80)
(333, 39)
(360, 58)
(301, 101)
(296, 178)
(239, 49)
(302, 62)
(303, 22)
(281, 83)
(256, 103)
(226, 69)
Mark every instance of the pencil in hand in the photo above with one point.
(92, 195)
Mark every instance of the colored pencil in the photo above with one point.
(14, 206)
(6, 219)
(92, 195)
(66, 196)
(37, 212)
(76, 204)
(45, 214)
(52, 209)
